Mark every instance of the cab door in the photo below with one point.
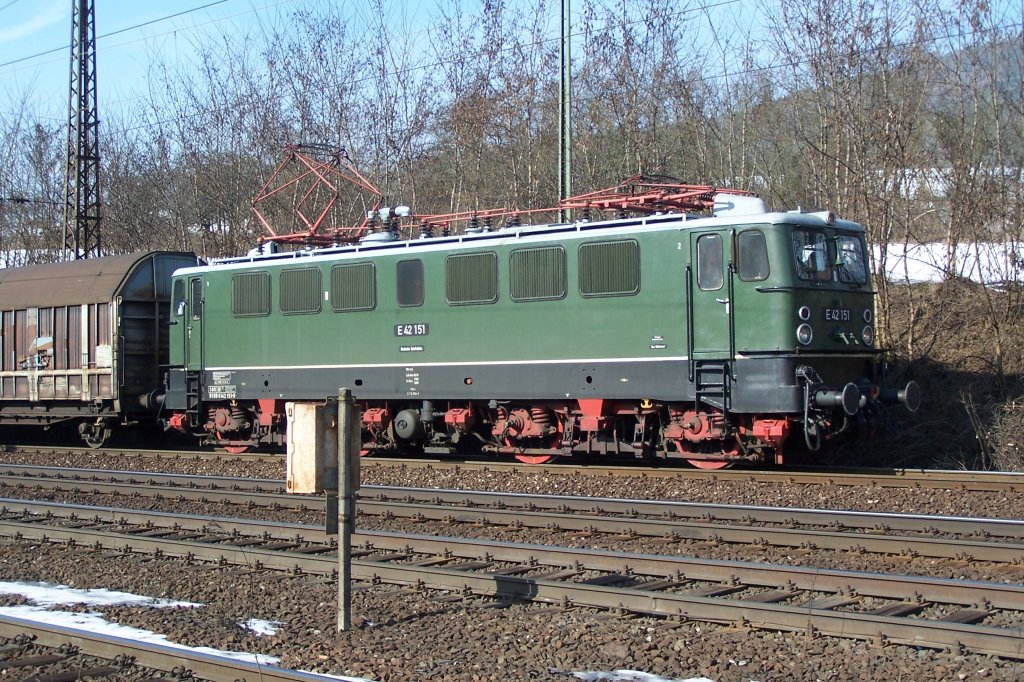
(710, 292)
(194, 325)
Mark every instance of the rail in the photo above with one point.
(931, 612)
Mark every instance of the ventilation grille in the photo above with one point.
(610, 269)
(537, 274)
(353, 287)
(301, 291)
(250, 294)
(472, 278)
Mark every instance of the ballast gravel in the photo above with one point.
(409, 635)
(404, 634)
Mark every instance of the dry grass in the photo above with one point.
(964, 344)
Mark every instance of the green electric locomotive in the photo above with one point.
(719, 338)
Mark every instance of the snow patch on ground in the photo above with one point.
(45, 596)
(262, 627)
(631, 676)
(48, 594)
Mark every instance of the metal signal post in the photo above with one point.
(565, 116)
(82, 197)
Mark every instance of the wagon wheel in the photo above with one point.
(95, 435)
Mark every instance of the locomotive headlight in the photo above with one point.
(867, 335)
(804, 334)
(867, 315)
(804, 313)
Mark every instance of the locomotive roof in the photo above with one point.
(90, 280)
(622, 227)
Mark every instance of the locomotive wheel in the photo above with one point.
(551, 442)
(536, 459)
(709, 463)
(686, 448)
(233, 449)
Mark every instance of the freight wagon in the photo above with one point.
(85, 342)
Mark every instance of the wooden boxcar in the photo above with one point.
(83, 341)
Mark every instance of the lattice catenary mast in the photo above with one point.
(82, 197)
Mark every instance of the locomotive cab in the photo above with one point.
(804, 321)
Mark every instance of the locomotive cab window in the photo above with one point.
(752, 256)
(178, 298)
(195, 296)
(820, 257)
(850, 265)
(710, 262)
(811, 252)
(410, 283)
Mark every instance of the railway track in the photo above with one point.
(984, 617)
(970, 481)
(56, 653)
(967, 539)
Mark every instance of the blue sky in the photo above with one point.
(132, 34)
(35, 36)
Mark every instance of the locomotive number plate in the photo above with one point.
(837, 315)
(414, 329)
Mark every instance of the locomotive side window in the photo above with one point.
(353, 287)
(752, 256)
(710, 262)
(537, 274)
(410, 283)
(250, 294)
(471, 278)
(195, 298)
(301, 291)
(609, 268)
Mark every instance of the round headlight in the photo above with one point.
(867, 335)
(867, 315)
(804, 334)
(804, 313)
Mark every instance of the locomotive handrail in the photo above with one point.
(730, 312)
(691, 365)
